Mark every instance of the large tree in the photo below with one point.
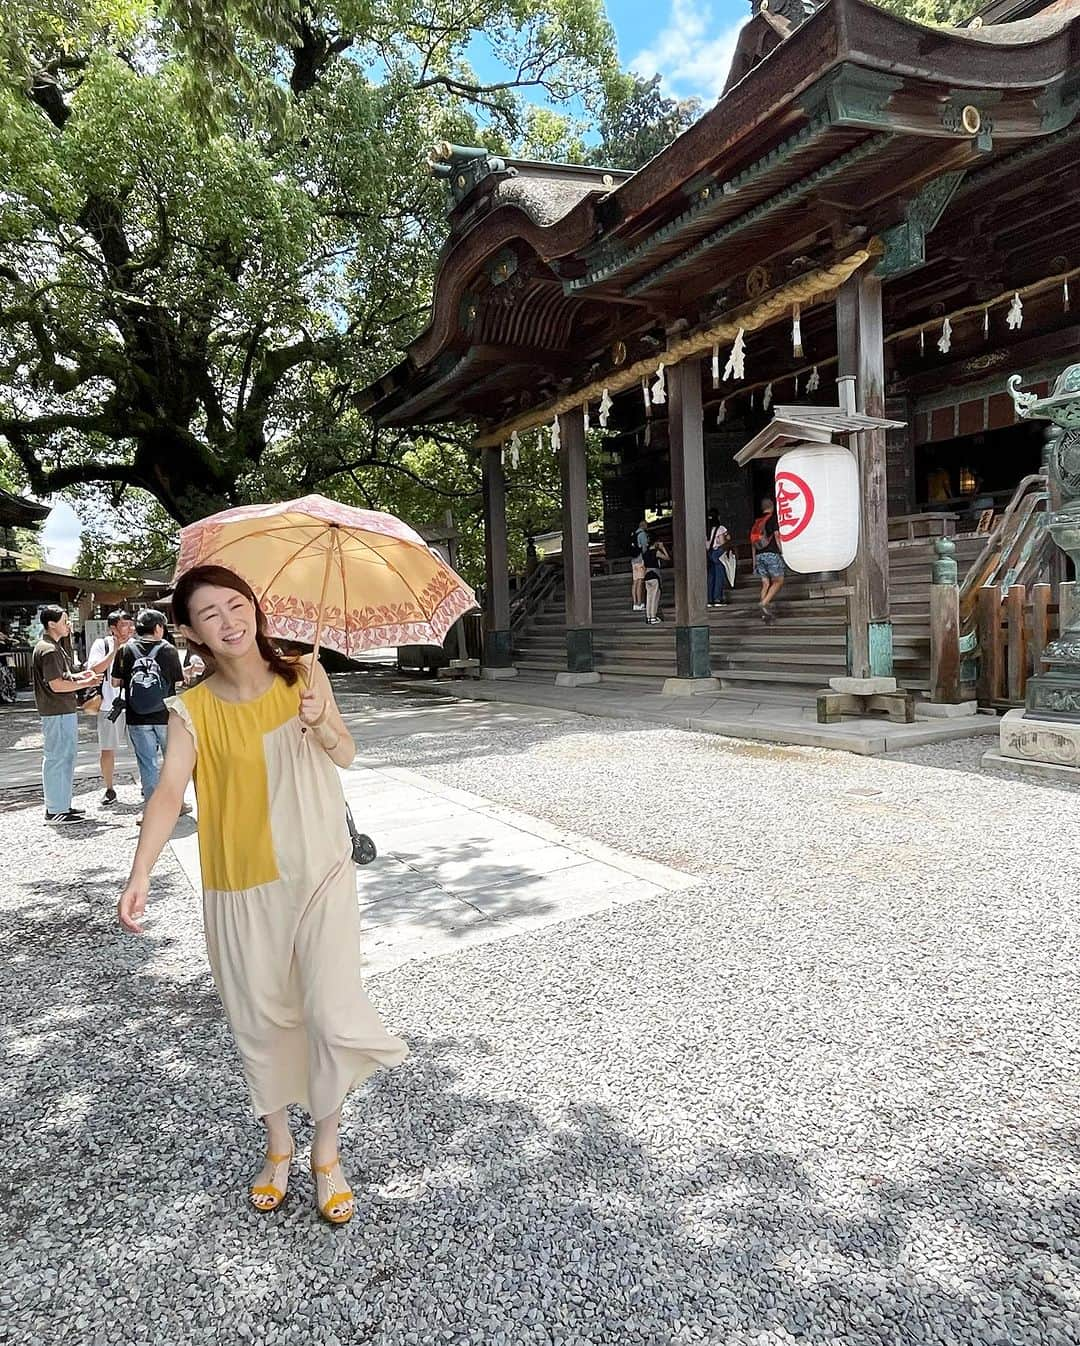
(640, 122)
(216, 224)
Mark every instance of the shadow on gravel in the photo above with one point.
(127, 1142)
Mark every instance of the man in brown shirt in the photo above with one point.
(56, 684)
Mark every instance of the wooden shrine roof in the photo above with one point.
(18, 512)
(852, 130)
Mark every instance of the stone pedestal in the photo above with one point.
(863, 686)
(576, 679)
(689, 686)
(1027, 738)
(497, 674)
(946, 710)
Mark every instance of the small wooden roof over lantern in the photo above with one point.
(808, 425)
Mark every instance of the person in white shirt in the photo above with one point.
(717, 545)
(112, 733)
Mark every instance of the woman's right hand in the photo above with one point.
(132, 903)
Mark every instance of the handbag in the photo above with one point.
(89, 700)
(363, 848)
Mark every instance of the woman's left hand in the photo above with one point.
(313, 707)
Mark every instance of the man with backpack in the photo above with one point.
(148, 670)
(768, 562)
(111, 728)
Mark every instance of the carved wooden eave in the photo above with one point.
(858, 126)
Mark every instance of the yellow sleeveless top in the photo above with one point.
(271, 805)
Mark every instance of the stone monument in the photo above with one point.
(1045, 735)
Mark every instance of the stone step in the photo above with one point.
(811, 679)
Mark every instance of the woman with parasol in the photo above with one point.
(279, 892)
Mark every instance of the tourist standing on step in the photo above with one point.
(651, 557)
(768, 562)
(56, 689)
(112, 729)
(717, 542)
(638, 544)
(279, 888)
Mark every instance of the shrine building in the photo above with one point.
(868, 198)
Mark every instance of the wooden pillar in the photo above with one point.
(452, 554)
(686, 434)
(575, 551)
(945, 626)
(861, 352)
(496, 659)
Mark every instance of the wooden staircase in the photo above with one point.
(798, 652)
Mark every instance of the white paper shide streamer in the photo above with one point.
(556, 435)
(945, 340)
(721, 412)
(605, 409)
(1014, 319)
(796, 332)
(659, 388)
(736, 362)
(813, 383)
(716, 366)
(766, 397)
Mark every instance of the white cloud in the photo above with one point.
(691, 52)
(61, 535)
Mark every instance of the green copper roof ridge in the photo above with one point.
(627, 256)
(786, 197)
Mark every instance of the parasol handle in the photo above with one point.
(322, 604)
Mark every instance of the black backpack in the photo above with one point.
(147, 688)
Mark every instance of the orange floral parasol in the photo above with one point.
(327, 574)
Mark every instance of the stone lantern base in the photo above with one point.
(1044, 738)
(1036, 746)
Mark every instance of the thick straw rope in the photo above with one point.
(750, 318)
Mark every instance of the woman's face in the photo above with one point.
(223, 621)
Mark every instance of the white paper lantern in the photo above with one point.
(817, 507)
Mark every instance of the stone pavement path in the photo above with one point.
(456, 870)
(827, 1095)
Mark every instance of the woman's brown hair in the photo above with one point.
(221, 578)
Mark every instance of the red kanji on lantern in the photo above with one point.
(794, 505)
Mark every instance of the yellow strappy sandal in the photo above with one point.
(268, 1196)
(339, 1206)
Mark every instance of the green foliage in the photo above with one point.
(216, 225)
(933, 12)
(122, 542)
(638, 122)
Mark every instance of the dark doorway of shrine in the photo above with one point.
(973, 473)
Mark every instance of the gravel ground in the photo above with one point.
(20, 726)
(828, 1095)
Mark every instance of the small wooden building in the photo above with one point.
(869, 197)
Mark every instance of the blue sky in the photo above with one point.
(687, 42)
